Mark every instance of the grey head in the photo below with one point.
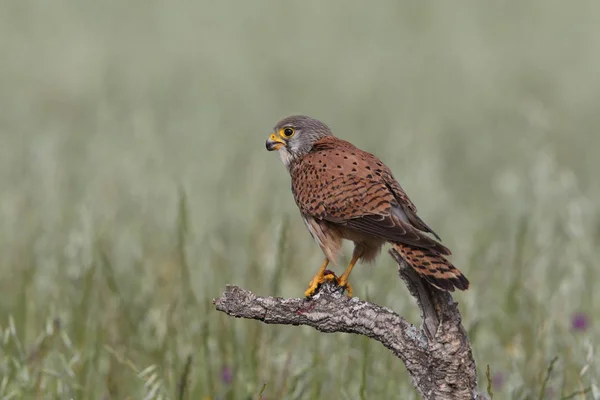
(294, 136)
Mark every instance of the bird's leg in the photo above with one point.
(342, 281)
(319, 278)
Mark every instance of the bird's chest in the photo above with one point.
(325, 193)
(311, 186)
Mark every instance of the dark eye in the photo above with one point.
(287, 132)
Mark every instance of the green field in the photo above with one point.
(135, 184)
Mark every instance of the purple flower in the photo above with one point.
(498, 380)
(580, 322)
(226, 375)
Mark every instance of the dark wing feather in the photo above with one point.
(410, 210)
(392, 229)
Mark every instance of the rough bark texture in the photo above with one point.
(437, 356)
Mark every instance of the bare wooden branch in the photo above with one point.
(437, 356)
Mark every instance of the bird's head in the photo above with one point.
(294, 137)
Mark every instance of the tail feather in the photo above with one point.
(433, 267)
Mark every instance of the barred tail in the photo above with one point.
(433, 267)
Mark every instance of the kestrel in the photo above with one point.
(346, 193)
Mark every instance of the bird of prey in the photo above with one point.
(346, 193)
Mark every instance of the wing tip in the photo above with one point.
(459, 282)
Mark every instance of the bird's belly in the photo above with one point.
(371, 244)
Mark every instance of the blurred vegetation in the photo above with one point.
(134, 185)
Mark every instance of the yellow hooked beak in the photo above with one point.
(274, 142)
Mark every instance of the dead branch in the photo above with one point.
(437, 356)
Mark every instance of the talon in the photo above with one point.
(343, 283)
(312, 288)
(326, 275)
(321, 276)
(318, 280)
(343, 280)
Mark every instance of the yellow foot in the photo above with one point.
(343, 283)
(318, 280)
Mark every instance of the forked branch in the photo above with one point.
(437, 356)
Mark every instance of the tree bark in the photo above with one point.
(437, 356)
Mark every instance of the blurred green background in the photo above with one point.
(134, 184)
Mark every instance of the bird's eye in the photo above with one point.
(288, 132)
